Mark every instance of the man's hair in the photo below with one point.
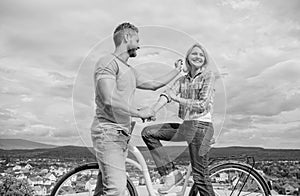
(120, 31)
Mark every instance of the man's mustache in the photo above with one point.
(137, 48)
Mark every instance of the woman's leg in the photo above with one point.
(195, 137)
(152, 136)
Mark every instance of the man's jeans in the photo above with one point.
(111, 147)
(197, 134)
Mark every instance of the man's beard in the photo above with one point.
(132, 51)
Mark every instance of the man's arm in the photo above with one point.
(165, 98)
(113, 99)
(145, 81)
(162, 101)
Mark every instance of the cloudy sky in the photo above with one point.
(48, 50)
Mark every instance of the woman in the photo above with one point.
(194, 92)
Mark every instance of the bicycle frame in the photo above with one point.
(142, 166)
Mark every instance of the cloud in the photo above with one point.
(274, 90)
(241, 5)
(256, 130)
(38, 130)
(255, 45)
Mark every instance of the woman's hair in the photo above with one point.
(206, 61)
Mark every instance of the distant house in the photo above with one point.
(261, 172)
(10, 165)
(40, 190)
(289, 189)
(28, 166)
(25, 170)
(49, 188)
(50, 176)
(47, 182)
(28, 160)
(60, 171)
(17, 167)
(8, 170)
(30, 182)
(68, 183)
(90, 185)
(3, 174)
(73, 178)
(21, 176)
(135, 181)
(142, 181)
(223, 177)
(52, 168)
(44, 171)
(36, 180)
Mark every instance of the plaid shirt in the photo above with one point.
(197, 92)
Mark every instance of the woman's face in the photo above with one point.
(196, 57)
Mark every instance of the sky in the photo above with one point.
(48, 50)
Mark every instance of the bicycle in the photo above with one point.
(229, 177)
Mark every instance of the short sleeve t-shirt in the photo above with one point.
(110, 67)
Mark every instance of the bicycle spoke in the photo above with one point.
(82, 181)
(236, 182)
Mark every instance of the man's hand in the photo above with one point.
(212, 141)
(146, 113)
(179, 64)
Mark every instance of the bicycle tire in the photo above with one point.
(89, 166)
(237, 167)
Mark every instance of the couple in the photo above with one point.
(115, 84)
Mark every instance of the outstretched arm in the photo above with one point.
(165, 98)
(162, 101)
(147, 82)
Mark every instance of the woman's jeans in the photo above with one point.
(111, 147)
(197, 134)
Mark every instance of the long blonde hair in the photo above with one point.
(206, 62)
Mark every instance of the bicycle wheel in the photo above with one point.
(82, 181)
(234, 179)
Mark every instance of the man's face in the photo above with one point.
(133, 44)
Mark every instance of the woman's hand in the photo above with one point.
(179, 65)
(172, 95)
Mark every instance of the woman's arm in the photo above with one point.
(205, 94)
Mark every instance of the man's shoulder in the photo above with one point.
(105, 60)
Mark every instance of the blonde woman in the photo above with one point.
(194, 92)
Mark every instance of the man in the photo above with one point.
(115, 84)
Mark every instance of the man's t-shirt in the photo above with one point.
(110, 67)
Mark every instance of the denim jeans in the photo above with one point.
(111, 147)
(197, 134)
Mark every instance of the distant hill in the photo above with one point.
(178, 152)
(260, 154)
(9, 144)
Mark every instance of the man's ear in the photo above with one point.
(126, 37)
